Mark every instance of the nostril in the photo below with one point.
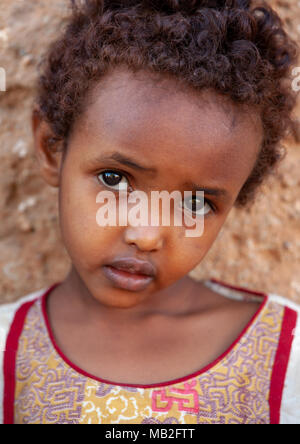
(143, 240)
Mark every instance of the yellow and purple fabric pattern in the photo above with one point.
(248, 384)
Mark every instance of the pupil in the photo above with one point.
(112, 178)
(196, 204)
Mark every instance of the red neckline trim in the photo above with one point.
(281, 363)
(233, 287)
(9, 362)
(162, 384)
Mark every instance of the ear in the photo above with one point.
(48, 149)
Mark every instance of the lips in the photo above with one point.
(130, 273)
(134, 266)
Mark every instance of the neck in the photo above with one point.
(171, 301)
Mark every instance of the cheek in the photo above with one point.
(188, 252)
(85, 241)
(193, 250)
(191, 253)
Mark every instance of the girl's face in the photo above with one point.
(171, 139)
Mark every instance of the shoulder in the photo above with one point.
(285, 302)
(8, 311)
(289, 344)
(285, 384)
(7, 316)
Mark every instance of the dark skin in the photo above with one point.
(177, 325)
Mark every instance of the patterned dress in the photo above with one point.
(255, 381)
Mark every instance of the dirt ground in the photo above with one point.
(258, 248)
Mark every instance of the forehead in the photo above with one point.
(157, 119)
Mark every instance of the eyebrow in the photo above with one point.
(124, 160)
(219, 192)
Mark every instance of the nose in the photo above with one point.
(145, 238)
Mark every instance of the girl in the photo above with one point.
(155, 95)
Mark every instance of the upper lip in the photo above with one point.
(134, 266)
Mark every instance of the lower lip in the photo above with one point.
(127, 281)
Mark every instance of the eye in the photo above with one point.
(198, 205)
(114, 180)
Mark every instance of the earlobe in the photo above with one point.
(48, 149)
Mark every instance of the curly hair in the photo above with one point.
(239, 49)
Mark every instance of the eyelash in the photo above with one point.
(121, 173)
